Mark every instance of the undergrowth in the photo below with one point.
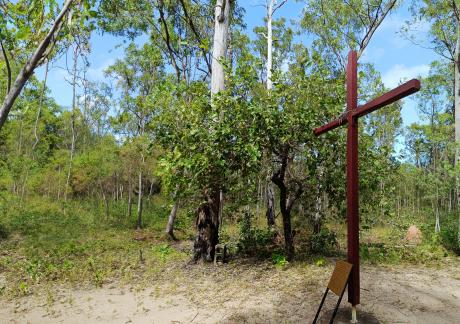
(68, 243)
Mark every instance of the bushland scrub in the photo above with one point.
(46, 243)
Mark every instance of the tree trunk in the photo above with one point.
(287, 228)
(457, 118)
(221, 15)
(139, 203)
(270, 206)
(171, 220)
(270, 213)
(285, 204)
(130, 198)
(269, 44)
(207, 225)
(40, 104)
(72, 121)
(106, 206)
(209, 213)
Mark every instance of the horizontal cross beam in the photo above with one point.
(397, 93)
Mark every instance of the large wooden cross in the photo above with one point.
(350, 117)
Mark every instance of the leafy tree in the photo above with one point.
(22, 25)
(139, 78)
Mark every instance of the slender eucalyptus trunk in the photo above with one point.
(130, 197)
(72, 118)
(106, 206)
(270, 213)
(457, 119)
(59, 183)
(40, 104)
(221, 14)
(139, 203)
(269, 44)
(171, 220)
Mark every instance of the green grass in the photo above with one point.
(49, 242)
(43, 242)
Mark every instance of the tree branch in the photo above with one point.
(168, 39)
(278, 6)
(197, 35)
(31, 64)
(375, 24)
(8, 68)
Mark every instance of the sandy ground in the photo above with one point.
(247, 295)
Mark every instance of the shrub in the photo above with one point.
(324, 243)
(3, 232)
(250, 239)
(449, 234)
(279, 260)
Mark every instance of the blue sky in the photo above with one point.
(396, 58)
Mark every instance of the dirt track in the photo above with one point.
(248, 294)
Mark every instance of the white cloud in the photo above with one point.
(392, 23)
(97, 73)
(372, 54)
(58, 74)
(400, 73)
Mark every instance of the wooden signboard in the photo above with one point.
(337, 285)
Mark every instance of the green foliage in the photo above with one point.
(279, 260)
(75, 243)
(162, 251)
(3, 232)
(250, 239)
(323, 243)
(449, 233)
(321, 262)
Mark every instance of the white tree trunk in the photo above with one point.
(171, 220)
(457, 117)
(269, 44)
(219, 51)
(139, 203)
(40, 104)
(72, 117)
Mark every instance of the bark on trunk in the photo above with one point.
(130, 199)
(208, 214)
(270, 206)
(106, 206)
(207, 225)
(287, 228)
(457, 118)
(221, 15)
(286, 203)
(171, 220)
(269, 44)
(139, 203)
(270, 213)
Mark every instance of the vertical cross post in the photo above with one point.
(353, 113)
(352, 179)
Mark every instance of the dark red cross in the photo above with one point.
(350, 117)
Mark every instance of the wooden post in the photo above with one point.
(351, 116)
(352, 180)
